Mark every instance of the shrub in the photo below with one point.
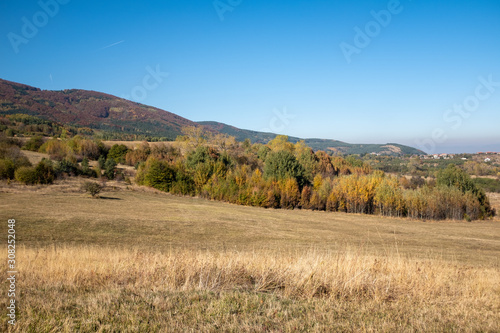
(68, 167)
(34, 143)
(92, 188)
(26, 175)
(7, 169)
(12, 152)
(57, 149)
(44, 172)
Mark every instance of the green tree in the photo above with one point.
(93, 188)
(110, 168)
(101, 161)
(263, 151)
(282, 165)
(159, 175)
(118, 152)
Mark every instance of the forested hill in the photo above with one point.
(316, 144)
(91, 109)
(99, 111)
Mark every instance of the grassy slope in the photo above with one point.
(143, 260)
(154, 220)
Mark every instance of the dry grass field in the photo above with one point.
(140, 260)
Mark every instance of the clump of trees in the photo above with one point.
(279, 174)
(285, 175)
(11, 157)
(71, 158)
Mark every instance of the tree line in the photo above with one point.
(279, 174)
(285, 175)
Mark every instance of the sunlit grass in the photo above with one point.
(140, 260)
(95, 288)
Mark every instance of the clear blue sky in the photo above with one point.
(277, 65)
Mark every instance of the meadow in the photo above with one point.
(142, 260)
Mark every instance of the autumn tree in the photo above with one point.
(281, 143)
(193, 136)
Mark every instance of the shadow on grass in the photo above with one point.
(109, 198)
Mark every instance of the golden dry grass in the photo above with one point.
(141, 260)
(101, 289)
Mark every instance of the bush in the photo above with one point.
(57, 149)
(12, 152)
(67, 167)
(34, 143)
(44, 172)
(93, 188)
(26, 175)
(7, 169)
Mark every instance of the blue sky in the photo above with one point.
(422, 73)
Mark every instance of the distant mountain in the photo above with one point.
(99, 111)
(316, 144)
(91, 109)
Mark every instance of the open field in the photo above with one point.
(151, 220)
(141, 260)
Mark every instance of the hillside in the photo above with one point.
(316, 144)
(91, 109)
(99, 111)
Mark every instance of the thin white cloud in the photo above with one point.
(112, 44)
